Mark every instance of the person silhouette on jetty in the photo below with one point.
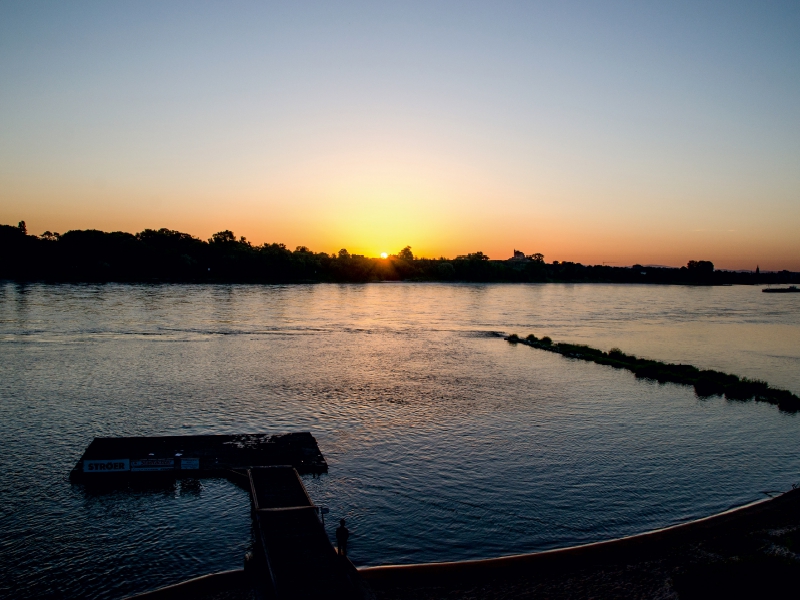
(342, 533)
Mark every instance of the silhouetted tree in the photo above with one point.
(223, 237)
(446, 271)
(11, 234)
(700, 266)
(700, 271)
(406, 254)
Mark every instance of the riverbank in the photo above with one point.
(744, 553)
(166, 255)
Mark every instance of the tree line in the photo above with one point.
(165, 255)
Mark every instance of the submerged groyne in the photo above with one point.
(706, 382)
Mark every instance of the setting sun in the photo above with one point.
(384, 255)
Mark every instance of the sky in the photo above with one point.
(595, 132)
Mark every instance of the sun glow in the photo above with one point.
(384, 255)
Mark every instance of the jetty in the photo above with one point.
(113, 460)
(294, 559)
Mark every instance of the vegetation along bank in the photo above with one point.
(165, 255)
(706, 382)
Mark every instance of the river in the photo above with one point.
(444, 442)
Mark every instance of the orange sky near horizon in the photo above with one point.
(387, 221)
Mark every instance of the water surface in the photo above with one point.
(444, 442)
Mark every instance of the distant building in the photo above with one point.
(519, 255)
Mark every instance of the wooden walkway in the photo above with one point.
(294, 557)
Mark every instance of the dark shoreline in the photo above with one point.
(743, 553)
(706, 382)
(165, 255)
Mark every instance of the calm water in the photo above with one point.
(444, 442)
